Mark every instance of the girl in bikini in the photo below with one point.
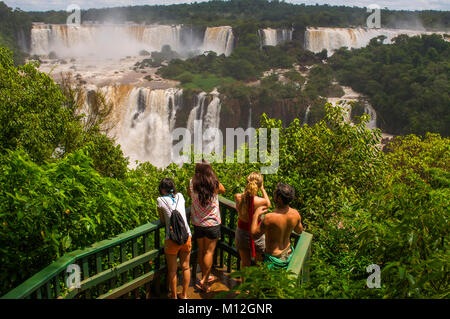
(246, 204)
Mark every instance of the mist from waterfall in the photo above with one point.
(118, 41)
(331, 39)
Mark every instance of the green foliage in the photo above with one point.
(395, 217)
(407, 82)
(54, 208)
(246, 63)
(263, 283)
(31, 112)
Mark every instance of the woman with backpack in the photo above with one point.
(204, 189)
(172, 213)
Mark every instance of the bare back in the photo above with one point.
(279, 226)
(242, 206)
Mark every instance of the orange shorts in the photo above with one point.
(172, 248)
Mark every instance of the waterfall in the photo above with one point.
(331, 39)
(211, 121)
(142, 121)
(219, 40)
(274, 37)
(197, 112)
(305, 120)
(368, 109)
(40, 39)
(112, 41)
(209, 114)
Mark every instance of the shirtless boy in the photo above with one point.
(278, 226)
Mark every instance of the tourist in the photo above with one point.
(170, 201)
(246, 204)
(278, 226)
(204, 188)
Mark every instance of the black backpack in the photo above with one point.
(177, 228)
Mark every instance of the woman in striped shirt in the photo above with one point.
(204, 189)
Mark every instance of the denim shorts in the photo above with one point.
(212, 232)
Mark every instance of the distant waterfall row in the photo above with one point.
(121, 40)
(331, 39)
(142, 120)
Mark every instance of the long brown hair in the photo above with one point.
(205, 182)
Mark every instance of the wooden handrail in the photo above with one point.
(47, 274)
(50, 276)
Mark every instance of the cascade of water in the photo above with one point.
(211, 120)
(196, 112)
(274, 37)
(368, 109)
(331, 39)
(143, 123)
(124, 40)
(219, 40)
(305, 120)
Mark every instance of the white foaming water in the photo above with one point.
(274, 37)
(142, 120)
(368, 109)
(211, 120)
(352, 96)
(331, 39)
(114, 41)
(106, 41)
(209, 114)
(308, 109)
(219, 40)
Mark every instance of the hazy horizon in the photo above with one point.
(57, 5)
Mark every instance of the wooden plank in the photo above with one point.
(128, 287)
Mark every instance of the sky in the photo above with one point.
(44, 5)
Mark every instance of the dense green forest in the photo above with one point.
(265, 13)
(63, 187)
(407, 83)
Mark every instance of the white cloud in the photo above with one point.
(42, 5)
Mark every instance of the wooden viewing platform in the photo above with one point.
(132, 265)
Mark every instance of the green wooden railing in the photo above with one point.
(132, 264)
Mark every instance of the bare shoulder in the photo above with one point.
(270, 218)
(294, 213)
(238, 197)
(258, 201)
